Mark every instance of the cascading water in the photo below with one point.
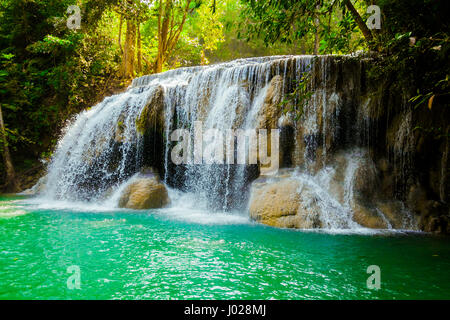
(99, 149)
(103, 147)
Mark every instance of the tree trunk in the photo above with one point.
(128, 52)
(11, 184)
(120, 34)
(168, 32)
(316, 33)
(359, 21)
(164, 17)
(139, 48)
(158, 64)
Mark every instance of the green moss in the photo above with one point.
(142, 121)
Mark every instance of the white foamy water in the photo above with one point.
(11, 209)
(187, 207)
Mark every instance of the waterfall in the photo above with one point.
(106, 145)
(99, 149)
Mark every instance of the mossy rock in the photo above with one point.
(152, 115)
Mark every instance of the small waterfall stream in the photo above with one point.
(102, 148)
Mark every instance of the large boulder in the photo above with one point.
(368, 217)
(283, 202)
(144, 192)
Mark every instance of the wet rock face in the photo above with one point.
(434, 215)
(36, 186)
(347, 110)
(436, 224)
(342, 195)
(151, 125)
(152, 115)
(146, 192)
(383, 214)
(271, 111)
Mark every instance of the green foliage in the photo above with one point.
(51, 44)
(441, 88)
(296, 23)
(47, 71)
(436, 133)
(414, 46)
(340, 35)
(201, 35)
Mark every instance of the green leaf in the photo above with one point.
(7, 56)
